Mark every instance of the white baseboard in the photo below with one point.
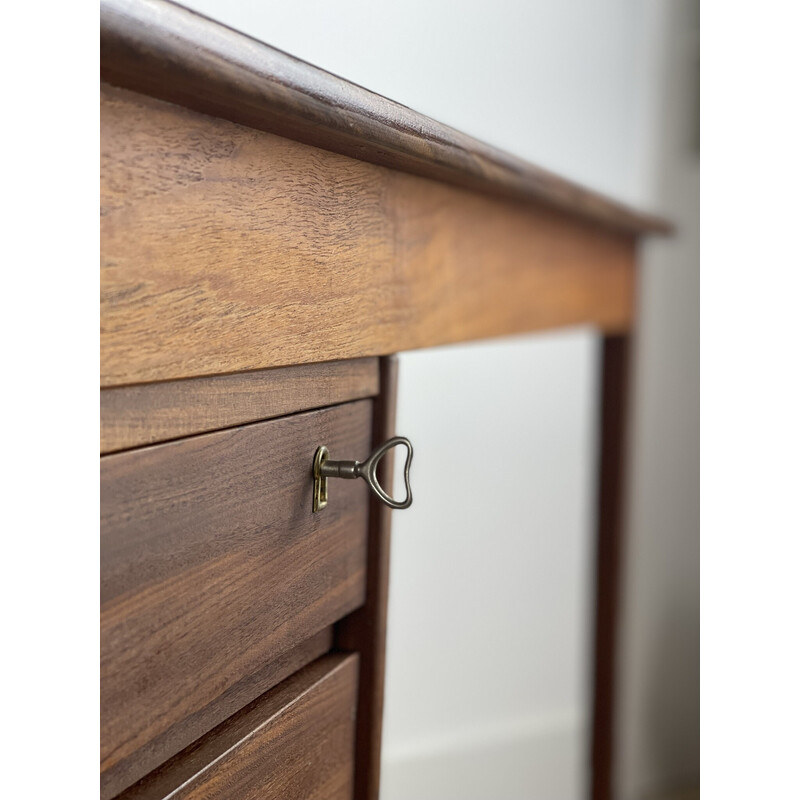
(529, 760)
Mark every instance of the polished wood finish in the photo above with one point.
(155, 412)
(212, 566)
(167, 51)
(614, 402)
(228, 249)
(365, 629)
(261, 219)
(151, 755)
(295, 743)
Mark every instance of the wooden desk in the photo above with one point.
(270, 235)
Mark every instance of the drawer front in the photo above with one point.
(295, 743)
(213, 566)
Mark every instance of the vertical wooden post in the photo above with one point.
(610, 517)
(365, 629)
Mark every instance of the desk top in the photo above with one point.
(166, 51)
(259, 212)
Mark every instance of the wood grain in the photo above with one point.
(295, 743)
(213, 566)
(130, 769)
(155, 412)
(226, 249)
(365, 629)
(161, 49)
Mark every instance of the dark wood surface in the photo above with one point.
(129, 770)
(295, 743)
(212, 566)
(609, 546)
(365, 629)
(155, 412)
(335, 225)
(167, 51)
(226, 249)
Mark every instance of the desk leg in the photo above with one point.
(610, 514)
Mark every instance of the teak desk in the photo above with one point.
(270, 235)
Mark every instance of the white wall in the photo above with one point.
(491, 574)
(490, 606)
(658, 740)
(564, 84)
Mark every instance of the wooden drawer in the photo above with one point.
(295, 743)
(217, 580)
